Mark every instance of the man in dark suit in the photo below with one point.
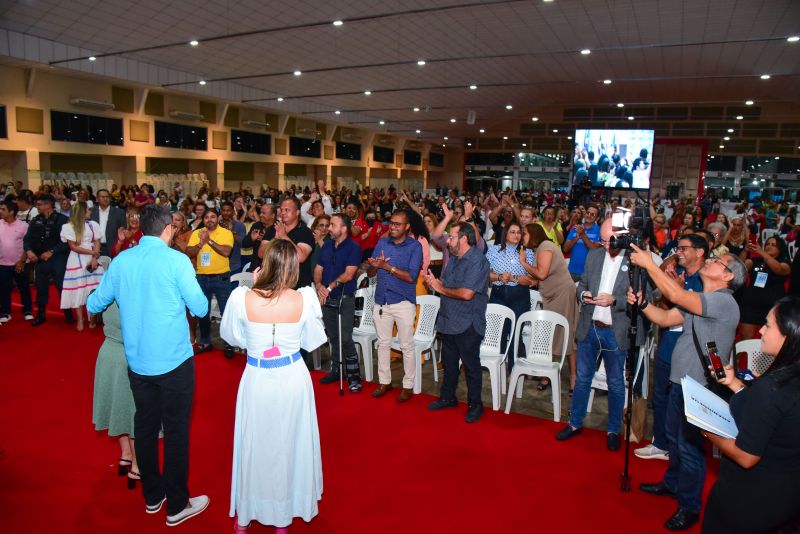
(110, 218)
(602, 332)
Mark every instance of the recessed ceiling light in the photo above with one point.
(280, 99)
(473, 86)
(419, 131)
(585, 52)
(416, 109)
(620, 105)
(765, 76)
(505, 138)
(607, 82)
(793, 39)
(748, 102)
(337, 112)
(555, 130)
(569, 137)
(739, 117)
(445, 138)
(202, 82)
(722, 146)
(730, 130)
(630, 117)
(421, 62)
(337, 22)
(453, 120)
(777, 157)
(509, 106)
(194, 42)
(92, 58)
(524, 144)
(382, 123)
(726, 138)
(443, 145)
(535, 119)
(469, 144)
(482, 130)
(297, 73)
(367, 92)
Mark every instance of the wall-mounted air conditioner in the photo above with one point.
(256, 124)
(306, 128)
(348, 134)
(88, 103)
(384, 140)
(186, 115)
(414, 145)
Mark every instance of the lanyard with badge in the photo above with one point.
(761, 277)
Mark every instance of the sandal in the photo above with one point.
(133, 476)
(123, 466)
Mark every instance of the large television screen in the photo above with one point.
(613, 159)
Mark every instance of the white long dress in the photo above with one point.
(277, 465)
(78, 282)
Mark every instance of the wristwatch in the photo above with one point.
(393, 270)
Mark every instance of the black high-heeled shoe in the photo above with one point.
(123, 466)
(133, 476)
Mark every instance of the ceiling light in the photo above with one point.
(524, 144)
(607, 82)
(730, 130)
(337, 112)
(739, 117)
(453, 120)
(793, 39)
(443, 145)
(337, 22)
(585, 52)
(416, 109)
(555, 130)
(469, 144)
(569, 137)
(630, 117)
(421, 62)
(473, 86)
(297, 73)
(777, 157)
(280, 99)
(446, 138)
(92, 58)
(722, 146)
(726, 138)
(748, 102)
(194, 42)
(535, 119)
(765, 76)
(620, 105)
(482, 130)
(367, 92)
(202, 82)
(509, 106)
(419, 131)
(382, 123)
(505, 138)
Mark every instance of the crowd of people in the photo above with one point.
(711, 277)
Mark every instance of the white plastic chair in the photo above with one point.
(538, 359)
(243, 279)
(766, 233)
(105, 261)
(364, 334)
(492, 357)
(757, 361)
(792, 248)
(424, 337)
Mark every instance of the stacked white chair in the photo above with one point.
(757, 361)
(364, 335)
(424, 337)
(242, 279)
(538, 359)
(492, 356)
(766, 233)
(536, 304)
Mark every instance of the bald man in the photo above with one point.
(602, 333)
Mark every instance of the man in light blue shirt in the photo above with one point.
(153, 285)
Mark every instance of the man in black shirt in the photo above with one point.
(44, 249)
(292, 228)
(253, 239)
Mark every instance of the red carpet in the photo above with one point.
(387, 467)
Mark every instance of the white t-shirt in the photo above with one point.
(607, 279)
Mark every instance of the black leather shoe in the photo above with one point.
(228, 351)
(330, 378)
(474, 413)
(440, 404)
(40, 320)
(568, 432)
(612, 441)
(682, 520)
(659, 488)
(201, 348)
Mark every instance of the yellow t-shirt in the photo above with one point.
(208, 261)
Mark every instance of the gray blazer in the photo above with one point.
(620, 321)
(116, 220)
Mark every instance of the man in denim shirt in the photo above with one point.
(462, 318)
(397, 260)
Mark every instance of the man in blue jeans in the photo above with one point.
(602, 333)
(691, 254)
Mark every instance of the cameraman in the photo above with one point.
(708, 316)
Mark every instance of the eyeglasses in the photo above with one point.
(396, 223)
(725, 265)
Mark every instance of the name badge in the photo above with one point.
(205, 259)
(761, 279)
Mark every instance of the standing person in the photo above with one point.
(83, 272)
(758, 489)
(25, 202)
(211, 246)
(12, 262)
(768, 272)
(291, 228)
(462, 318)
(334, 277)
(277, 465)
(266, 219)
(43, 248)
(238, 230)
(708, 316)
(581, 239)
(128, 237)
(396, 260)
(110, 218)
(153, 285)
(602, 332)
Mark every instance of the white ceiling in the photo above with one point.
(524, 53)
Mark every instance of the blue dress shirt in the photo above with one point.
(406, 256)
(153, 285)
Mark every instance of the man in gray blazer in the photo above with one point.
(110, 218)
(602, 332)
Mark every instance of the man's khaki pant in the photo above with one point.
(385, 317)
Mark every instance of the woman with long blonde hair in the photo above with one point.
(83, 273)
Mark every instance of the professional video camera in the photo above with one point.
(629, 227)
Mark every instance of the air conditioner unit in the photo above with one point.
(186, 115)
(306, 128)
(384, 140)
(349, 134)
(413, 144)
(256, 124)
(308, 132)
(94, 104)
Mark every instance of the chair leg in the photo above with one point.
(512, 384)
(556, 390)
(418, 373)
(591, 400)
(520, 382)
(493, 372)
(435, 365)
(503, 377)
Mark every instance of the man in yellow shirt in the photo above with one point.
(211, 246)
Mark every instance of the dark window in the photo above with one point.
(383, 154)
(77, 128)
(721, 164)
(348, 151)
(436, 159)
(412, 157)
(305, 148)
(171, 135)
(250, 142)
(3, 126)
(505, 159)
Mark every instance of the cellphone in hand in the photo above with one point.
(716, 361)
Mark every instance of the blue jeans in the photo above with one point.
(597, 341)
(686, 473)
(213, 285)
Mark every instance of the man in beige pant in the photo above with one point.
(396, 260)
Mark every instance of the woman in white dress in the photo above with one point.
(83, 272)
(277, 466)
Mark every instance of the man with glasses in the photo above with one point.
(462, 318)
(581, 239)
(396, 260)
(710, 315)
(692, 251)
(110, 218)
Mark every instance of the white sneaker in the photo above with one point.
(651, 452)
(195, 506)
(154, 508)
(4, 318)
(29, 317)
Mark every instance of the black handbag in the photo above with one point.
(720, 390)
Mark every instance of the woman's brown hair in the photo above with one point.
(536, 235)
(279, 268)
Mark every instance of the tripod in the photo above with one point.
(339, 339)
